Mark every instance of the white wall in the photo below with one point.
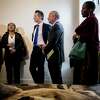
(97, 12)
(21, 12)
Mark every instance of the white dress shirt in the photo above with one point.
(11, 40)
(55, 22)
(40, 40)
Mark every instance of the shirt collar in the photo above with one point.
(40, 24)
(55, 22)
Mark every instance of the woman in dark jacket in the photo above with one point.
(88, 33)
(14, 47)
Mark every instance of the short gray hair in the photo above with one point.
(56, 14)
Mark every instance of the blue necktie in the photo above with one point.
(36, 35)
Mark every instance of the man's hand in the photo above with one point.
(43, 51)
(43, 47)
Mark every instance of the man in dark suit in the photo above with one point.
(39, 38)
(55, 49)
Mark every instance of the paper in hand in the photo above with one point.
(50, 54)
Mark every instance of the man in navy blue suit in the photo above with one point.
(55, 48)
(39, 38)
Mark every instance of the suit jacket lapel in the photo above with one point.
(33, 32)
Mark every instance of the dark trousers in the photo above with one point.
(87, 73)
(13, 71)
(55, 72)
(77, 72)
(37, 65)
(92, 69)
